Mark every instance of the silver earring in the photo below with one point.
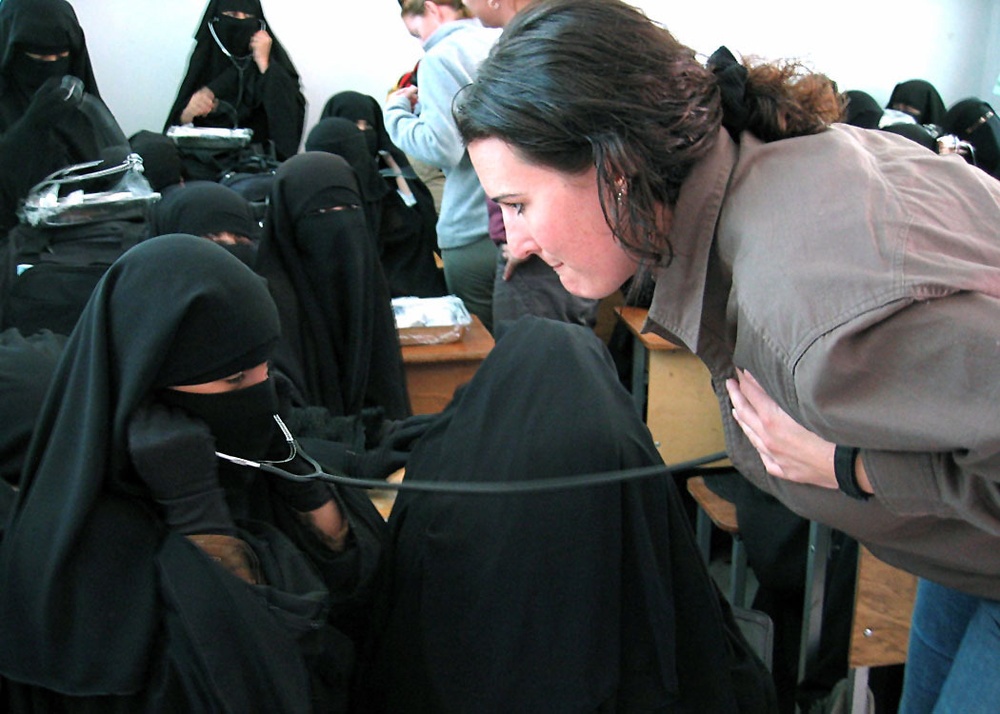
(495, 4)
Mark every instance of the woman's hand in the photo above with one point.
(260, 46)
(788, 450)
(202, 103)
(410, 93)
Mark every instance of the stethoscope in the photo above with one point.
(222, 47)
(460, 487)
(240, 63)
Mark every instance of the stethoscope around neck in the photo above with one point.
(490, 488)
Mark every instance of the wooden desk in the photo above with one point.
(673, 388)
(433, 372)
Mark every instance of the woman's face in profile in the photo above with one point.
(556, 216)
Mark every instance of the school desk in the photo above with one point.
(434, 372)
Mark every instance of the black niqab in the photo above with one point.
(407, 234)
(339, 342)
(583, 600)
(919, 95)
(974, 121)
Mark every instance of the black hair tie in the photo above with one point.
(732, 79)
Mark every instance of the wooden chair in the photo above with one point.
(880, 631)
(717, 511)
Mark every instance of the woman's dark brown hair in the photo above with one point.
(573, 84)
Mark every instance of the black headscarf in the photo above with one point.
(204, 207)
(974, 121)
(272, 104)
(38, 24)
(354, 106)
(342, 137)
(339, 342)
(584, 600)
(862, 110)
(161, 162)
(921, 95)
(407, 234)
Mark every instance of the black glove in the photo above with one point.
(402, 434)
(174, 455)
(56, 99)
(303, 496)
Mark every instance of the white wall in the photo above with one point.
(140, 47)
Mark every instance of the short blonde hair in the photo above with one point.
(417, 7)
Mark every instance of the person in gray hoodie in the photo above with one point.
(422, 125)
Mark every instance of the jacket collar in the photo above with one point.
(678, 298)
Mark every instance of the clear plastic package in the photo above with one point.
(430, 321)
(129, 197)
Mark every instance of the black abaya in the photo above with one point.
(30, 152)
(103, 607)
(271, 104)
(339, 343)
(407, 233)
(586, 600)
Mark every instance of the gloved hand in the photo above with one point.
(303, 496)
(54, 101)
(174, 454)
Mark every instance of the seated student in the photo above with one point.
(142, 570)
(239, 75)
(209, 210)
(161, 160)
(48, 119)
(862, 110)
(920, 99)
(583, 600)
(339, 345)
(400, 209)
(974, 121)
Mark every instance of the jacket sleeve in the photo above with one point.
(432, 135)
(919, 393)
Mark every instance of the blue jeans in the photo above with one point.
(953, 662)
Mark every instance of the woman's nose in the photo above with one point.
(519, 240)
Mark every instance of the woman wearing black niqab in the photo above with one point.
(140, 571)
(585, 600)
(407, 229)
(239, 75)
(974, 121)
(44, 126)
(339, 345)
(920, 99)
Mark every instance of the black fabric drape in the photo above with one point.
(26, 367)
(339, 343)
(586, 600)
(103, 608)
